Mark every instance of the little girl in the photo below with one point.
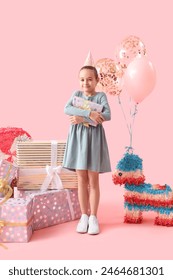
(86, 150)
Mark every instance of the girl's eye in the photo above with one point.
(82, 80)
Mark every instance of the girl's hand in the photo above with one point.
(76, 119)
(96, 117)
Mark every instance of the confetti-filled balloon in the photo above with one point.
(110, 76)
(128, 49)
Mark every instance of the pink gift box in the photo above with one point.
(16, 217)
(53, 207)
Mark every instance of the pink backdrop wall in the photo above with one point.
(43, 45)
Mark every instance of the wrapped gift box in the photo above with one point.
(40, 159)
(53, 207)
(25, 194)
(8, 171)
(87, 105)
(16, 217)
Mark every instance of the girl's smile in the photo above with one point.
(88, 81)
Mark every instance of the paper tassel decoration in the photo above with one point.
(140, 196)
(8, 139)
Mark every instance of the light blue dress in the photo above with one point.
(86, 147)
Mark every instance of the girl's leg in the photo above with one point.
(83, 194)
(94, 195)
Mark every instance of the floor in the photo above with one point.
(117, 240)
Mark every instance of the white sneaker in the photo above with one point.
(93, 225)
(82, 226)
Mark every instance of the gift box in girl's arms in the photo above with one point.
(87, 105)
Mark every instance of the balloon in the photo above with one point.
(139, 78)
(110, 76)
(128, 49)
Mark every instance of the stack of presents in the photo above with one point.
(35, 190)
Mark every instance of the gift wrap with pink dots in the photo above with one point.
(16, 217)
(53, 207)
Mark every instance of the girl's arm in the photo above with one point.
(74, 111)
(106, 113)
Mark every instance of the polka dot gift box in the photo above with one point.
(53, 207)
(16, 217)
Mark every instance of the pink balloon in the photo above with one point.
(139, 78)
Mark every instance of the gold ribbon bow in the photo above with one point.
(85, 106)
(6, 190)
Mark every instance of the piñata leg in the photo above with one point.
(133, 216)
(164, 219)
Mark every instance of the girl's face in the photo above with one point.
(88, 81)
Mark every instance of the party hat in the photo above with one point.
(89, 60)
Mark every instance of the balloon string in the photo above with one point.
(121, 106)
(132, 115)
(130, 125)
(132, 118)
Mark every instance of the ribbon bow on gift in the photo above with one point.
(6, 190)
(52, 177)
(85, 106)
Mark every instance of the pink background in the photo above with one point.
(43, 45)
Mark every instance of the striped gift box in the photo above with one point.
(33, 158)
